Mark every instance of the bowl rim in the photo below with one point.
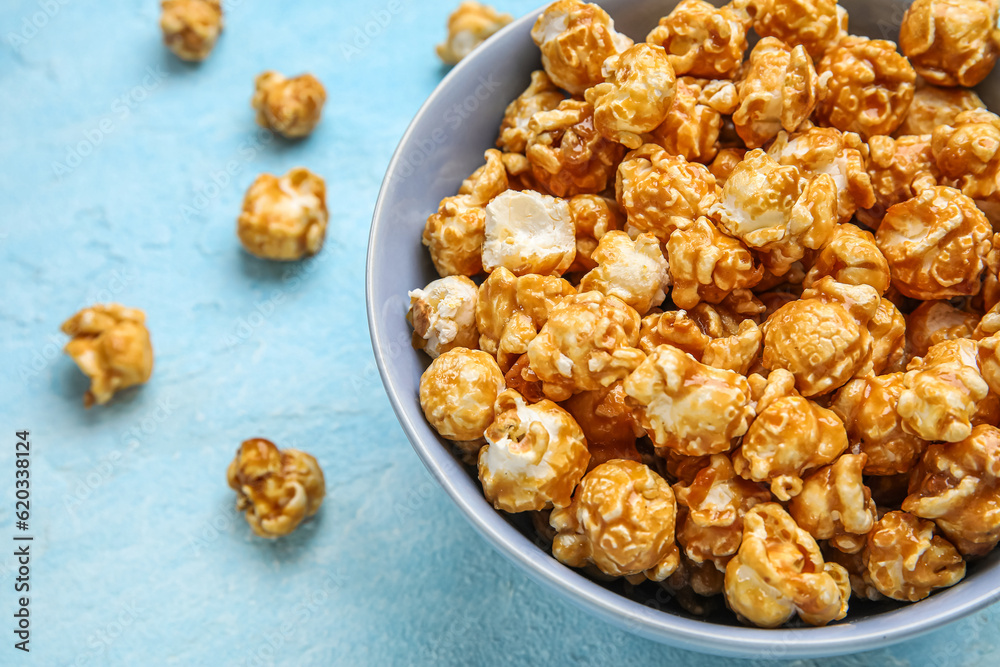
(543, 568)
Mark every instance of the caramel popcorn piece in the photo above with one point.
(790, 436)
(731, 350)
(634, 271)
(779, 572)
(906, 560)
(933, 106)
(835, 504)
(934, 322)
(284, 217)
(535, 454)
(622, 521)
(191, 27)
(707, 265)
(813, 24)
(455, 234)
(607, 423)
(777, 210)
(951, 42)
(850, 257)
(936, 244)
(899, 169)
(861, 586)
(703, 40)
(541, 95)
(575, 40)
(636, 95)
(593, 217)
(687, 406)
(523, 380)
(694, 120)
(675, 328)
(865, 86)
(725, 163)
(888, 331)
(290, 107)
(588, 342)
(471, 24)
(968, 151)
(778, 90)
(958, 486)
(457, 393)
(276, 488)
(527, 232)
(110, 343)
(443, 315)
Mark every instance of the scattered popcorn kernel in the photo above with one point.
(443, 315)
(906, 560)
(687, 406)
(471, 24)
(850, 257)
(634, 271)
(777, 210)
(968, 151)
(691, 128)
(835, 504)
(951, 42)
(455, 234)
(957, 485)
(276, 488)
(936, 244)
(284, 217)
(191, 27)
(290, 107)
(706, 265)
(457, 392)
(933, 107)
(607, 422)
(703, 40)
(934, 322)
(568, 155)
(541, 95)
(527, 232)
(637, 92)
(814, 24)
(725, 162)
(110, 343)
(777, 91)
(510, 311)
(899, 169)
(789, 437)
(621, 520)
(535, 454)
(865, 86)
(593, 217)
(779, 572)
(941, 392)
(662, 192)
(575, 40)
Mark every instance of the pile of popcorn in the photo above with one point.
(739, 331)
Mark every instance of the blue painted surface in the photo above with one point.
(114, 186)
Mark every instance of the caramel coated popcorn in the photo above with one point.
(191, 27)
(290, 107)
(110, 343)
(284, 217)
(471, 24)
(593, 217)
(608, 423)
(732, 350)
(933, 106)
(850, 257)
(527, 232)
(934, 322)
(703, 40)
(694, 120)
(951, 42)
(835, 505)
(457, 393)
(899, 169)
(276, 488)
(968, 152)
(443, 315)
(906, 560)
(707, 265)
(540, 95)
(634, 271)
(813, 24)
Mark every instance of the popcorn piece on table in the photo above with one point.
(694, 120)
(934, 322)
(906, 560)
(535, 454)
(951, 42)
(443, 315)
(933, 106)
(707, 265)
(540, 95)
(527, 232)
(850, 257)
(110, 343)
(814, 24)
(471, 24)
(899, 169)
(290, 107)
(593, 217)
(276, 488)
(835, 505)
(622, 521)
(607, 422)
(634, 271)
(284, 217)
(191, 27)
(703, 40)
(575, 39)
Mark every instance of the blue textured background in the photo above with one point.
(113, 187)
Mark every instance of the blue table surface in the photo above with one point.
(114, 187)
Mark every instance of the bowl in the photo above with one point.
(443, 145)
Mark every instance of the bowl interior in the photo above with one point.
(443, 145)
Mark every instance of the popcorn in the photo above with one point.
(835, 504)
(777, 210)
(527, 232)
(443, 315)
(906, 560)
(725, 163)
(587, 343)
(778, 90)
(470, 25)
(933, 107)
(607, 422)
(541, 95)
(110, 343)
(864, 86)
(593, 217)
(899, 169)
(951, 42)
(934, 322)
(702, 40)
(852, 258)
(731, 350)
(284, 218)
(888, 331)
(968, 151)
(523, 380)
(936, 244)
(634, 271)
(861, 586)
(813, 24)
(687, 406)
(779, 572)
(706, 264)
(191, 27)
(622, 521)
(457, 393)
(535, 455)
(290, 107)
(575, 40)
(276, 488)
(636, 95)
(958, 486)
(691, 128)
